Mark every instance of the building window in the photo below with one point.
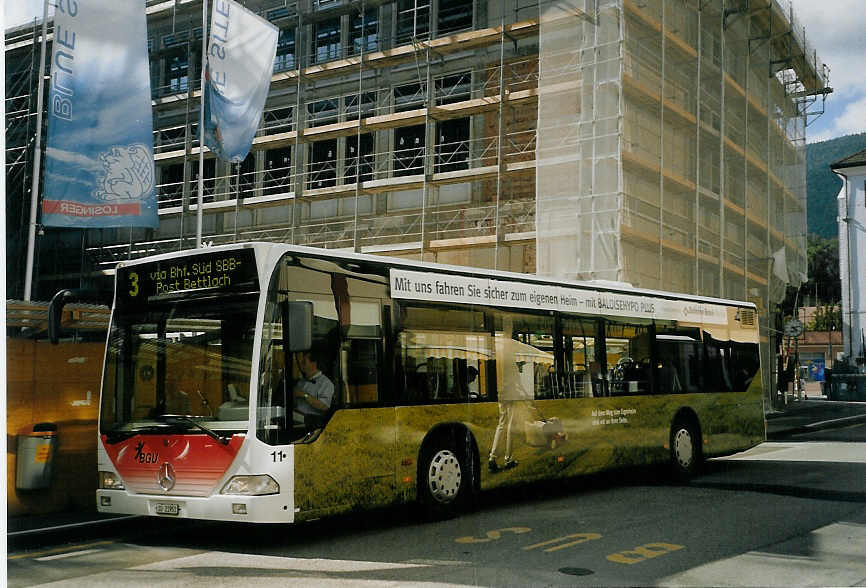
(247, 176)
(364, 33)
(453, 88)
(277, 120)
(209, 183)
(322, 112)
(278, 13)
(174, 39)
(169, 138)
(413, 20)
(409, 151)
(409, 97)
(323, 164)
(170, 188)
(326, 39)
(176, 73)
(285, 57)
(359, 149)
(368, 105)
(452, 145)
(454, 15)
(277, 177)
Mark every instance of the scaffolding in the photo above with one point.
(658, 142)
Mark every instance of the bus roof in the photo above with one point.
(340, 254)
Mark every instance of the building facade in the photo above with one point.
(658, 142)
(852, 254)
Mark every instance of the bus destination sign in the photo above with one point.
(213, 272)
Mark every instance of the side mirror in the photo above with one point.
(297, 326)
(61, 298)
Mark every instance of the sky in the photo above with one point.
(835, 28)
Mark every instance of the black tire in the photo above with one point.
(445, 479)
(686, 451)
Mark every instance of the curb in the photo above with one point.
(69, 526)
(86, 530)
(819, 426)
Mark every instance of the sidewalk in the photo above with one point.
(801, 416)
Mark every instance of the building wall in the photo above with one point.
(707, 173)
(57, 384)
(852, 260)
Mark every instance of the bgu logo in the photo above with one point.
(142, 456)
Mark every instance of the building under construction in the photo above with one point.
(657, 142)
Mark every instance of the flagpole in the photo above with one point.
(37, 161)
(200, 198)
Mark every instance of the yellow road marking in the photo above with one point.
(581, 538)
(493, 535)
(58, 550)
(643, 552)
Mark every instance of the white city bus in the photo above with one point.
(422, 373)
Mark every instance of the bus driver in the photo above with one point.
(313, 394)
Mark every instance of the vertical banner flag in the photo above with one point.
(240, 63)
(99, 153)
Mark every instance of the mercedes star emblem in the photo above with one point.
(166, 477)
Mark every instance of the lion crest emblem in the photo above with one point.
(127, 173)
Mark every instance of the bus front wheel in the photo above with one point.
(686, 453)
(445, 481)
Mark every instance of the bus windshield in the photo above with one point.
(185, 357)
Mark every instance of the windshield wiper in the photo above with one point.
(118, 435)
(192, 420)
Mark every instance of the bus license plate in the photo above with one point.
(166, 508)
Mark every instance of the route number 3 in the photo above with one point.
(133, 284)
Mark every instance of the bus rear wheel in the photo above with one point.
(686, 453)
(444, 481)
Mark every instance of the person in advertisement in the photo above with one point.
(511, 390)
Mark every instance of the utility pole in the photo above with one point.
(37, 161)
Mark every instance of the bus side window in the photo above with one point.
(362, 361)
(628, 358)
(582, 374)
(446, 354)
(679, 359)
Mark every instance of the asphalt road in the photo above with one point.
(787, 513)
(855, 431)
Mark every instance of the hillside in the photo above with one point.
(822, 186)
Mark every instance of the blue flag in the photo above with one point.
(240, 62)
(99, 154)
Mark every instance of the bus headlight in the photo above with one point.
(110, 481)
(251, 486)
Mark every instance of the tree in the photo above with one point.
(823, 285)
(827, 318)
(823, 256)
